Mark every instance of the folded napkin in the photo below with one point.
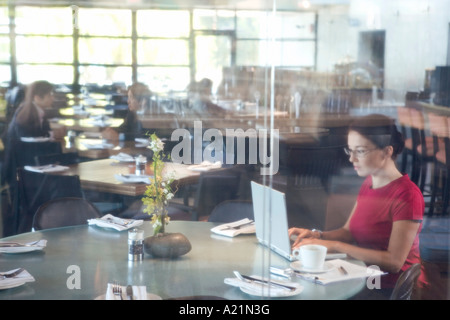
(46, 168)
(244, 226)
(119, 224)
(16, 247)
(141, 142)
(34, 139)
(139, 293)
(98, 145)
(205, 166)
(122, 157)
(132, 178)
(262, 289)
(22, 278)
(336, 273)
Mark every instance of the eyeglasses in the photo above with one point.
(358, 153)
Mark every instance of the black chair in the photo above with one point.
(64, 159)
(212, 189)
(64, 212)
(34, 189)
(405, 283)
(232, 210)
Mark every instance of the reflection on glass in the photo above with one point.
(161, 79)
(4, 49)
(53, 74)
(104, 75)
(213, 19)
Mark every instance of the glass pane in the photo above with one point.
(295, 53)
(32, 20)
(252, 53)
(44, 49)
(164, 79)
(252, 24)
(4, 20)
(4, 49)
(104, 22)
(5, 73)
(105, 51)
(104, 75)
(166, 52)
(294, 25)
(213, 20)
(163, 23)
(55, 74)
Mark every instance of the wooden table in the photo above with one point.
(98, 175)
(86, 124)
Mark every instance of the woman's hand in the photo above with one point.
(301, 234)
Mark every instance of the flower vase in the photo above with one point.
(162, 244)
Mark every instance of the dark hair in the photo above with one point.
(141, 92)
(381, 130)
(38, 88)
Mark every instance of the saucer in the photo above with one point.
(297, 266)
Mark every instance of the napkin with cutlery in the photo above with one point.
(18, 247)
(205, 166)
(14, 278)
(46, 168)
(119, 224)
(122, 157)
(342, 270)
(139, 293)
(265, 289)
(232, 229)
(132, 178)
(141, 142)
(98, 145)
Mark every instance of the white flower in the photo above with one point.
(169, 196)
(156, 145)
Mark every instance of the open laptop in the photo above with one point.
(271, 223)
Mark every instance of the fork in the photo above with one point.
(117, 290)
(11, 275)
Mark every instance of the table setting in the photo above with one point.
(112, 222)
(46, 168)
(35, 139)
(14, 278)
(116, 291)
(232, 229)
(205, 166)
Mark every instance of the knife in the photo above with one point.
(130, 292)
(12, 274)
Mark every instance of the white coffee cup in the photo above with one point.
(312, 256)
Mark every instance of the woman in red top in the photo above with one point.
(383, 227)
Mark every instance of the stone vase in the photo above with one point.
(167, 245)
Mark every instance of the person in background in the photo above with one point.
(139, 96)
(384, 225)
(29, 119)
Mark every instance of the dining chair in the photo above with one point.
(408, 155)
(212, 189)
(406, 282)
(65, 159)
(64, 212)
(439, 127)
(232, 210)
(34, 189)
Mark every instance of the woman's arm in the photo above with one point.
(401, 239)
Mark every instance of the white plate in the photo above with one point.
(12, 285)
(150, 296)
(297, 266)
(38, 246)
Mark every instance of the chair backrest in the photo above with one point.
(214, 188)
(438, 125)
(64, 159)
(64, 212)
(232, 210)
(405, 283)
(34, 189)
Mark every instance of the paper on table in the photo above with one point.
(46, 168)
(232, 229)
(119, 224)
(354, 271)
(205, 166)
(132, 178)
(34, 139)
(98, 145)
(122, 157)
(21, 278)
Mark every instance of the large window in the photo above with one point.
(167, 49)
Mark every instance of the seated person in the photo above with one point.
(202, 104)
(138, 98)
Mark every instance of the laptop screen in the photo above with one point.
(271, 223)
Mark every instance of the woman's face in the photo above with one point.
(133, 103)
(366, 158)
(44, 102)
